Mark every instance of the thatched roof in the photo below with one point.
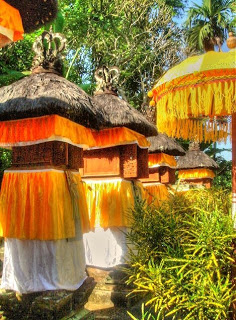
(195, 158)
(48, 93)
(35, 13)
(120, 114)
(162, 143)
(117, 111)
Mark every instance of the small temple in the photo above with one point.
(162, 166)
(196, 168)
(111, 175)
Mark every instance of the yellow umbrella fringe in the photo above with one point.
(213, 99)
(194, 129)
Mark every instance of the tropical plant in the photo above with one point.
(182, 256)
(5, 161)
(209, 22)
(223, 178)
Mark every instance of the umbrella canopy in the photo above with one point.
(11, 28)
(199, 89)
(45, 92)
(35, 13)
(116, 110)
(162, 143)
(19, 16)
(195, 158)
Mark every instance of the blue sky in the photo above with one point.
(226, 154)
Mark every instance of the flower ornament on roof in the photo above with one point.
(107, 79)
(48, 50)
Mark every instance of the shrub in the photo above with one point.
(182, 256)
(5, 161)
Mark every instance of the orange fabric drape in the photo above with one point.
(10, 22)
(118, 136)
(198, 173)
(155, 193)
(39, 205)
(161, 159)
(41, 129)
(110, 202)
(54, 127)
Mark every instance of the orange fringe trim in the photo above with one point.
(161, 159)
(196, 174)
(47, 128)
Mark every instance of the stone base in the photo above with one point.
(48, 305)
(110, 290)
(102, 296)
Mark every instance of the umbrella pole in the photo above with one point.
(234, 168)
(234, 201)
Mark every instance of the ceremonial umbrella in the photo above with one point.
(198, 89)
(19, 16)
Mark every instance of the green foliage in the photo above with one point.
(223, 178)
(140, 38)
(5, 161)
(183, 255)
(210, 21)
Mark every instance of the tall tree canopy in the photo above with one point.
(209, 22)
(140, 37)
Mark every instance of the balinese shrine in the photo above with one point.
(65, 201)
(196, 168)
(162, 166)
(47, 122)
(111, 172)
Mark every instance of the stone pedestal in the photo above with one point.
(48, 305)
(110, 290)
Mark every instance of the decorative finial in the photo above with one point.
(48, 50)
(194, 146)
(231, 41)
(107, 80)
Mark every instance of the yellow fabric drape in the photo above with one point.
(38, 205)
(195, 129)
(198, 173)
(47, 128)
(155, 193)
(10, 22)
(161, 159)
(109, 202)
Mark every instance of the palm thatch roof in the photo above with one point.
(35, 13)
(162, 143)
(45, 94)
(195, 158)
(120, 114)
(116, 110)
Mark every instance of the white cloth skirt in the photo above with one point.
(105, 248)
(35, 265)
